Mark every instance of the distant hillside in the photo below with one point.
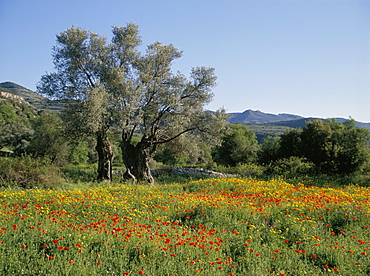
(262, 123)
(31, 97)
(285, 120)
(264, 130)
(358, 124)
(257, 117)
(265, 124)
(302, 123)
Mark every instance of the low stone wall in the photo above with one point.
(187, 171)
(192, 171)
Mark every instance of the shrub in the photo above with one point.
(26, 172)
(7, 113)
(290, 165)
(249, 169)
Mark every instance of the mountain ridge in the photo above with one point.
(257, 117)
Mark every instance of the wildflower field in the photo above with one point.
(207, 227)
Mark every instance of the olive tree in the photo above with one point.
(113, 84)
(162, 106)
(78, 58)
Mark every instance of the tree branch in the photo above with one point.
(82, 67)
(177, 135)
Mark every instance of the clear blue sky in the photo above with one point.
(305, 57)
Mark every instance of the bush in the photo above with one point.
(249, 169)
(291, 165)
(26, 172)
(7, 113)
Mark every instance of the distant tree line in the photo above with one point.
(328, 147)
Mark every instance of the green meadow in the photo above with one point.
(229, 226)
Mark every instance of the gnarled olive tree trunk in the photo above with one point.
(105, 156)
(136, 159)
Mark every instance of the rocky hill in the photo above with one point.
(29, 96)
(14, 97)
